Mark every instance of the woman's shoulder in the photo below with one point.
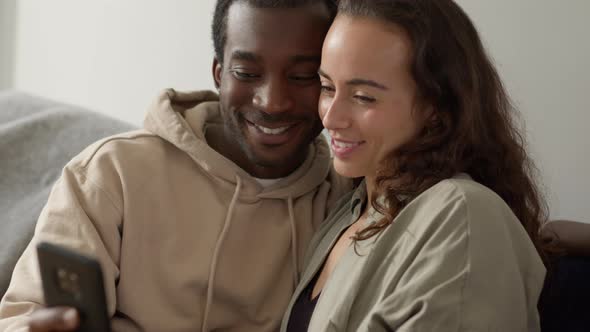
(461, 190)
(458, 203)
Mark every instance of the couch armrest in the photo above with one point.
(570, 236)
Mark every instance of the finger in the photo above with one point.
(54, 319)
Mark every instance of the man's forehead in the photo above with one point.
(254, 33)
(312, 9)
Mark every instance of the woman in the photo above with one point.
(442, 232)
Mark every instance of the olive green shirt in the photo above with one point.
(454, 259)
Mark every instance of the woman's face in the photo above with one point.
(368, 99)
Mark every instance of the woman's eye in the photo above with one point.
(326, 88)
(365, 99)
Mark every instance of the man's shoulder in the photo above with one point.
(137, 145)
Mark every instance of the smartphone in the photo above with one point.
(73, 280)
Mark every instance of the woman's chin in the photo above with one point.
(347, 170)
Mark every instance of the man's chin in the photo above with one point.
(275, 161)
(285, 159)
(288, 155)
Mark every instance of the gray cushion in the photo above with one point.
(37, 138)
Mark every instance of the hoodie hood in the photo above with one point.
(182, 118)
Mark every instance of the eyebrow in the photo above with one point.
(249, 56)
(357, 81)
(243, 55)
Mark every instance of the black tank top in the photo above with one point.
(303, 309)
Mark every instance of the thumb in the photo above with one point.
(54, 319)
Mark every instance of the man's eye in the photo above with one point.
(244, 75)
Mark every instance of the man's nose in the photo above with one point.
(273, 97)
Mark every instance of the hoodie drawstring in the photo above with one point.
(213, 267)
(293, 242)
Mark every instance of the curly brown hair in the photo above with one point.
(474, 128)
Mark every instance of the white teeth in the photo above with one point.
(342, 145)
(272, 131)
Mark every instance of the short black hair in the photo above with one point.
(219, 26)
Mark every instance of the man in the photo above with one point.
(201, 220)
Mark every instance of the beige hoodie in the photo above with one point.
(187, 240)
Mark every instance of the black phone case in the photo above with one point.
(70, 279)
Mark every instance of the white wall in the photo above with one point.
(110, 55)
(7, 39)
(113, 56)
(542, 48)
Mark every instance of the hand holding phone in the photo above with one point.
(54, 319)
(73, 280)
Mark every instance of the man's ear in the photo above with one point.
(216, 71)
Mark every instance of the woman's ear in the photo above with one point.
(425, 114)
(430, 119)
(430, 114)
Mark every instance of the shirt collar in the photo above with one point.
(358, 200)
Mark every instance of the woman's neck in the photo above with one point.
(370, 185)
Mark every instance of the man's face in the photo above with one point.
(268, 83)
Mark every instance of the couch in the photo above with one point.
(37, 138)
